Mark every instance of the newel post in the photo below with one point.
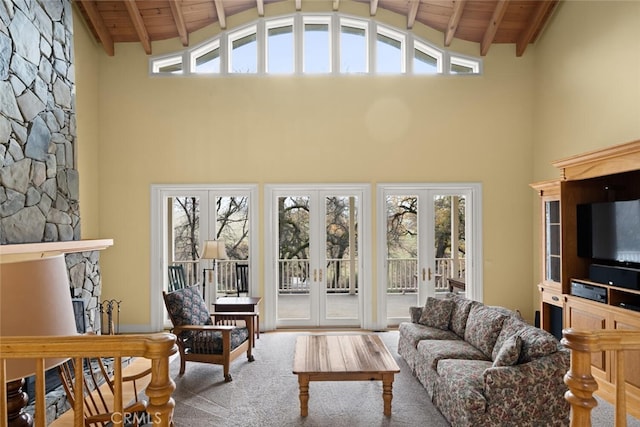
(159, 390)
(579, 379)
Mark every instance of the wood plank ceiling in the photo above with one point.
(518, 22)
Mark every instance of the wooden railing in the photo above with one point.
(579, 379)
(156, 347)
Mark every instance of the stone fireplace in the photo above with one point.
(39, 183)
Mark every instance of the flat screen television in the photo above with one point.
(610, 231)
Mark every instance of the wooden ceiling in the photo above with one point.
(485, 22)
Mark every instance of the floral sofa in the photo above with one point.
(485, 366)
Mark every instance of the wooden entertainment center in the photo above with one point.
(610, 174)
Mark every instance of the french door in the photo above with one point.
(183, 217)
(427, 234)
(314, 264)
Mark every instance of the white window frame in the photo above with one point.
(279, 23)
(335, 22)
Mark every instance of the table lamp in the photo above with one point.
(35, 300)
(213, 250)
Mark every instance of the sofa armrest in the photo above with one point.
(524, 387)
(416, 313)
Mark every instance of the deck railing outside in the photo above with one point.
(294, 274)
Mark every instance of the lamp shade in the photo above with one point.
(35, 300)
(214, 249)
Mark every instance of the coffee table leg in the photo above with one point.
(387, 394)
(303, 381)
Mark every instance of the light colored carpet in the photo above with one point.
(265, 393)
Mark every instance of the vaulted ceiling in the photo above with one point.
(517, 22)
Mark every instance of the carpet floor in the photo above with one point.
(264, 393)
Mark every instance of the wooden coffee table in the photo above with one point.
(343, 358)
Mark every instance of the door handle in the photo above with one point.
(429, 273)
(424, 274)
(320, 271)
(315, 275)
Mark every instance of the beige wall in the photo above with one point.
(587, 84)
(86, 66)
(245, 129)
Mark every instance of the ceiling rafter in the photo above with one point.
(413, 12)
(222, 18)
(496, 20)
(454, 21)
(178, 18)
(485, 22)
(373, 7)
(527, 36)
(138, 24)
(98, 24)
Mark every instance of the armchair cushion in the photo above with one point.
(210, 342)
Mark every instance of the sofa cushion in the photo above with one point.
(415, 333)
(483, 327)
(509, 352)
(432, 351)
(437, 313)
(460, 314)
(535, 341)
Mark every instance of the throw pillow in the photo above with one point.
(509, 352)
(437, 313)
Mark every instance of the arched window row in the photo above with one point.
(315, 44)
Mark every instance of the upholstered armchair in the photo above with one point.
(199, 339)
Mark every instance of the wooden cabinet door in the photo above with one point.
(581, 315)
(623, 321)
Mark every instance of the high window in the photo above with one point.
(315, 44)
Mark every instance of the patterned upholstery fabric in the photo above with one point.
(460, 314)
(483, 327)
(509, 353)
(186, 307)
(437, 313)
(468, 388)
(535, 341)
(210, 342)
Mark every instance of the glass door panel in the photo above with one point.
(341, 277)
(293, 262)
(402, 254)
(449, 213)
(185, 239)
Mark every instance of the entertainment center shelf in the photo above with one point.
(594, 178)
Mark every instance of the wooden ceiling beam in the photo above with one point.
(298, 4)
(494, 24)
(336, 5)
(373, 7)
(413, 12)
(260, 7)
(98, 24)
(138, 25)
(454, 21)
(529, 33)
(178, 18)
(222, 18)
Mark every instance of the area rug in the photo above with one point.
(265, 393)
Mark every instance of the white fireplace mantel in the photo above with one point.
(66, 247)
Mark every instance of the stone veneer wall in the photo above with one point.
(39, 185)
